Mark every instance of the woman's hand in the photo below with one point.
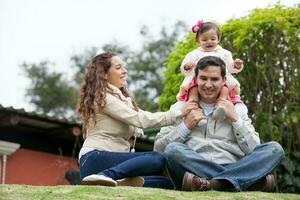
(188, 107)
(193, 118)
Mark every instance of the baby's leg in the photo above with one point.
(220, 112)
(241, 108)
(194, 97)
(224, 93)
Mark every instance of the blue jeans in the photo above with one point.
(118, 165)
(241, 174)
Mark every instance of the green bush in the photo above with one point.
(268, 40)
(288, 174)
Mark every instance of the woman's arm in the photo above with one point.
(121, 111)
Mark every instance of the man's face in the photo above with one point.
(210, 82)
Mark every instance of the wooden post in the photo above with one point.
(1, 167)
(4, 159)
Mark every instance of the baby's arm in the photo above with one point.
(189, 66)
(189, 62)
(238, 64)
(233, 66)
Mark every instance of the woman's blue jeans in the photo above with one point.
(118, 165)
(242, 174)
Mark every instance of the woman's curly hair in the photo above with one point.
(94, 88)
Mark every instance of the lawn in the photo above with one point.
(26, 192)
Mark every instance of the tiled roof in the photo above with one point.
(148, 137)
(37, 115)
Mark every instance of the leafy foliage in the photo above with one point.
(50, 92)
(268, 40)
(288, 174)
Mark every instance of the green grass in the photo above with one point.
(26, 192)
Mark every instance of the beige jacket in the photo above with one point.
(118, 122)
(219, 142)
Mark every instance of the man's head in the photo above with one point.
(210, 76)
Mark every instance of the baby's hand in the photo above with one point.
(189, 66)
(238, 63)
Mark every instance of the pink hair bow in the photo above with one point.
(197, 27)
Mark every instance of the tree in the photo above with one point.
(145, 73)
(50, 93)
(268, 41)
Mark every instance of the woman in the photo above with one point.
(110, 120)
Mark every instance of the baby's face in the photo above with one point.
(209, 40)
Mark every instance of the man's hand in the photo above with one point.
(189, 66)
(229, 108)
(192, 119)
(238, 63)
(188, 107)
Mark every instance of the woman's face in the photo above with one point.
(117, 73)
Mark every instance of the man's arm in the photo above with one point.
(166, 136)
(244, 132)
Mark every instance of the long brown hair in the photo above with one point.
(94, 88)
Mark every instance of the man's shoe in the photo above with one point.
(266, 184)
(192, 182)
(137, 181)
(219, 114)
(96, 179)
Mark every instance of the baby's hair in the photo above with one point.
(206, 26)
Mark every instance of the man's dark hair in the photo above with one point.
(210, 61)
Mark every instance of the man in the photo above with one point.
(219, 155)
